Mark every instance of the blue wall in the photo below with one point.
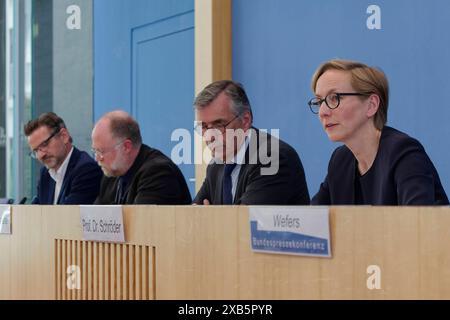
(144, 64)
(277, 45)
(114, 21)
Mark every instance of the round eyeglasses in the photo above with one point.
(332, 100)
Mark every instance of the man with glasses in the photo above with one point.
(70, 176)
(239, 172)
(134, 173)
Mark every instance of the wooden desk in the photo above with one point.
(194, 252)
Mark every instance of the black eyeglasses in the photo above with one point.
(201, 127)
(332, 100)
(43, 144)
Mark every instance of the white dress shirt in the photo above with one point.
(239, 159)
(59, 174)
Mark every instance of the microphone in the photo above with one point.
(24, 199)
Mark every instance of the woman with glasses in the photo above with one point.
(377, 165)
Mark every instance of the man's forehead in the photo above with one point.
(101, 129)
(218, 110)
(101, 138)
(38, 136)
(41, 131)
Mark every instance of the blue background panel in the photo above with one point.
(277, 45)
(144, 64)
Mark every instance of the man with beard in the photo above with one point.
(134, 173)
(70, 176)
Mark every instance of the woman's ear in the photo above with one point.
(373, 105)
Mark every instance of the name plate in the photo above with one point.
(102, 223)
(290, 230)
(5, 219)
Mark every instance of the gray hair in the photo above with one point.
(122, 125)
(233, 90)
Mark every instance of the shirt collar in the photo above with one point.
(61, 172)
(239, 158)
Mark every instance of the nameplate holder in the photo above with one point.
(102, 223)
(299, 231)
(5, 219)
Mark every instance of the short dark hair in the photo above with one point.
(49, 119)
(233, 90)
(126, 128)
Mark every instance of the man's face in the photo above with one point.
(223, 131)
(51, 149)
(108, 151)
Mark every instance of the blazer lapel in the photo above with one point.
(249, 159)
(51, 190)
(345, 193)
(72, 162)
(240, 183)
(219, 181)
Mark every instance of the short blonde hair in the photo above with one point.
(363, 79)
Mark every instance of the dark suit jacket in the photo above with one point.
(402, 174)
(80, 185)
(286, 187)
(153, 179)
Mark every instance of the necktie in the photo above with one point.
(120, 191)
(227, 196)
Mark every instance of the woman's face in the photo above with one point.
(344, 123)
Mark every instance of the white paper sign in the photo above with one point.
(102, 223)
(290, 230)
(5, 219)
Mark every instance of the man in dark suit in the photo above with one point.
(249, 166)
(134, 173)
(70, 176)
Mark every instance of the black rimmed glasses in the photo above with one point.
(44, 144)
(201, 127)
(332, 100)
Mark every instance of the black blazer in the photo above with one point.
(402, 174)
(153, 179)
(80, 185)
(286, 187)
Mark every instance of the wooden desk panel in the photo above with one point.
(195, 252)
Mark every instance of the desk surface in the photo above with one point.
(195, 252)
